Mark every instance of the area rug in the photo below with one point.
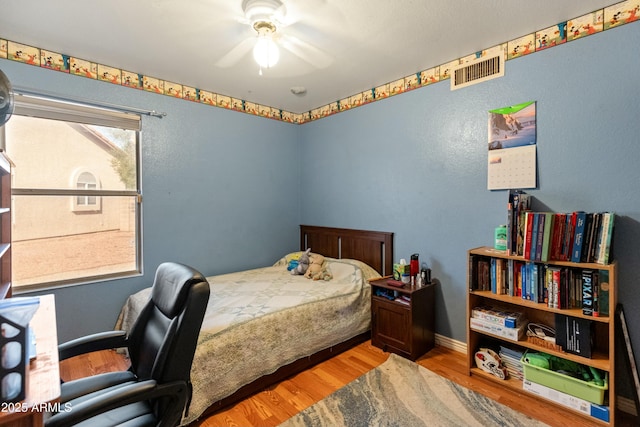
(402, 393)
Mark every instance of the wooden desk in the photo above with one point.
(43, 374)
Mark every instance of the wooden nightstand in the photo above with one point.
(404, 325)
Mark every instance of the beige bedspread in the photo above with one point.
(258, 320)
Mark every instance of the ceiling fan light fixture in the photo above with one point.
(265, 52)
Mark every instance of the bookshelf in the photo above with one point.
(5, 226)
(603, 354)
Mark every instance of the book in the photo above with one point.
(594, 236)
(512, 334)
(518, 202)
(474, 276)
(501, 317)
(576, 251)
(511, 277)
(554, 287)
(524, 273)
(534, 236)
(529, 220)
(493, 276)
(517, 278)
(595, 279)
(500, 276)
(603, 292)
(486, 274)
(587, 292)
(567, 238)
(546, 237)
(604, 244)
(521, 231)
(540, 219)
(534, 282)
(586, 240)
(575, 334)
(510, 224)
(556, 238)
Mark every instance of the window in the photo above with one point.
(76, 198)
(86, 181)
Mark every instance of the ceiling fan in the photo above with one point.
(6, 99)
(273, 24)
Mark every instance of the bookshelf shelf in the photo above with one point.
(573, 312)
(603, 354)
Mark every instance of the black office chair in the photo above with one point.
(156, 390)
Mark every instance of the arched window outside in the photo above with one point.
(86, 181)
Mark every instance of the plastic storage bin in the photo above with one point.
(576, 387)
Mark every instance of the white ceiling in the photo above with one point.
(349, 45)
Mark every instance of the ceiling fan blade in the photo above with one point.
(235, 54)
(305, 51)
(308, 10)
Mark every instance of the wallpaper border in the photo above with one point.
(589, 24)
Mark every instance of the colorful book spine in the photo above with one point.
(540, 219)
(576, 252)
(558, 232)
(493, 276)
(511, 281)
(595, 234)
(604, 245)
(586, 240)
(521, 232)
(546, 238)
(595, 285)
(534, 236)
(474, 281)
(568, 238)
(525, 279)
(510, 224)
(603, 292)
(608, 243)
(529, 220)
(534, 282)
(587, 292)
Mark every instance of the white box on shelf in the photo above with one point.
(513, 334)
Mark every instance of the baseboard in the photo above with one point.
(447, 342)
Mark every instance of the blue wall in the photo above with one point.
(225, 191)
(219, 191)
(416, 164)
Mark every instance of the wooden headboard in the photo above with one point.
(372, 247)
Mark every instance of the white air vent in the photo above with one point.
(479, 70)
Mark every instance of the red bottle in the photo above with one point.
(414, 265)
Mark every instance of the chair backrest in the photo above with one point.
(164, 337)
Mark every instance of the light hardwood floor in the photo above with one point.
(281, 401)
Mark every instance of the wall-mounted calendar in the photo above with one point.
(511, 161)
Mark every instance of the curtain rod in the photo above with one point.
(121, 108)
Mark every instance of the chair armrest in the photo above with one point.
(95, 342)
(122, 396)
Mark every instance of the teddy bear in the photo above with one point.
(301, 264)
(317, 270)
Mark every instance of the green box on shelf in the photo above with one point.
(576, 387)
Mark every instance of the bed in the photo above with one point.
(253, 316)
